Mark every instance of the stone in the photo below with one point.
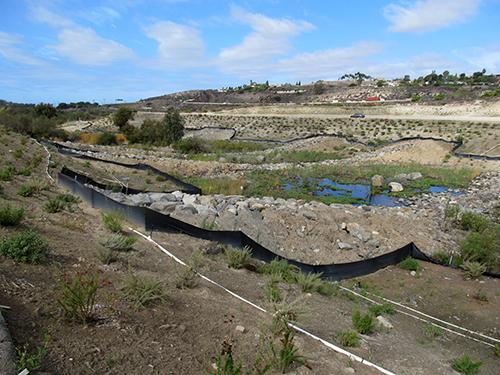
(352, 226)
(373, 243)
(377, 181)
(361, 234)
(400, 177)
(300, 234)
(257, 207)
(414, 176)
(261, 158)
(178, 195)
(231, 209)
(162, 197)
(395, 186)
(384, 322)
(164, 206)
(240, 329)
(308, 214)
(189, 199)
(140, 199)
(119, 197)
(345, 246)
(186, 208)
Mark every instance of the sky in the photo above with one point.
(56, 51)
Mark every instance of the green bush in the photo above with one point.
(416, 98)
(112, 221)
(281, 268)
(483, 248)
(348, 338)
(27, 247)
(142, 290)
(53, 206)
(465, 365)
(26, 191)
(386, 307)
(473, 269)
(117, 242)
(410, 264)
(189, 145)
(363, 324)
(160, 178)
(439, 97)
(106, 139)
(308, 282)
(78, 294)
(7, 174)
(9, 217)
(236, 258)
(474, 221)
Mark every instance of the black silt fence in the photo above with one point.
(152, 220)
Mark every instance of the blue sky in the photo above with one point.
(82, 50)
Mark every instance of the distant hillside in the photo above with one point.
(320, 92)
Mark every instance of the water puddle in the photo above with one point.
(362, 193)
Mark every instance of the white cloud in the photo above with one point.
(84, 47)
(100, 15)
(330, 63)
(270, 39)
(482, 57)
(10, 48)
(429, 15)
(41, 14)
(180, 46)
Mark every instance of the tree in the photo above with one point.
(318, 88)
(431, 78)
(381, 82)
(358, 77)
(46, 110)
(406, 79)
(165, 132)
(122, 115)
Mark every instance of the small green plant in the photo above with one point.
(497, 349)
(410, 264)
(38, 185)
(473, 269)
(117, 242)
(106, 255)
(7, 174)
(18, 153)
(33, 362)
(206, 224)
(363, 324)
(160, 178)
(236, 258)
(465, 365)
(86, 164)
(402, 283)
(431, 331)
(78, 292)
(9, 216)
(272, 294)
(348, 338)
(287, 272)
(386, 307)
(27, 247)
(26, 171)
(474, 221)
(481, 296)
(188, 277)
(308, 281)
(148, 180)
(112, 221)
(26, 191)
(53, 206)
(287, 354)
(452, 212)
(142, 290)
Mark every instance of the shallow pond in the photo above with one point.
(362, 193)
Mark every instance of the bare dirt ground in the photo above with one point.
(184, 335)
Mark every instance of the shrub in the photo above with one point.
(27, 247)
(236, 258)
(26, 191)
(348, 338)
(117, 242)
(105, 255)
(8, 216)
(7, 174)
(497, 349)
(410, 264)
(432, 331)
(416, 98)
(272, 294)
(190, 145)
(26, 171)
(112, 221)
(386, 307)
(473, 221)
(53, 206)
(482, 247)
(160, 178)
(309, 281)
(473, 269)
(465, 365)
(142, 290)
(38, 185)
(363, 324)
(106, 139)
(188, 277)
(78, 293)
(281, 268)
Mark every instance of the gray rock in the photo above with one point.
(402, 177)
(231, 209)
(308, 214)
(189, 199)
(119, 197)
(164, 206)
(345, 246)
(162, 197)
(186, 208)
(178, 195)
(396, 186)
(373, 243)
(299, 233)
(360, 234)
(261, 158)
(414, 176)
(140, 199)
